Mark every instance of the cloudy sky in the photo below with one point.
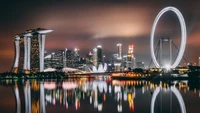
(88, 23)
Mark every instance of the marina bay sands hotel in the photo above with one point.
(29, 51)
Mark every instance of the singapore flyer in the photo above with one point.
(183, 36)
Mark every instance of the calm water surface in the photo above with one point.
(85, 95)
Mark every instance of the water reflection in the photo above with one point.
(171, 89)
(34, 96)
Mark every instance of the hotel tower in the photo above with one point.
(29, 51)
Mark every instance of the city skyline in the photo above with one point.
(87, 24)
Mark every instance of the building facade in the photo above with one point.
(119, 51)
(95, 57)
(29, 51)
(76, 57)
(89, 58)
(130, 63)
(99, 54)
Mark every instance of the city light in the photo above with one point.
(49, 85)
(90, 53)
(124, 92)
(69, 85)
(95, 49)
(130, 49)
(183, 36)
(76, 49)
(99, 46)
(117, 64)
(49, 70)
(167, 66)
(99, 58)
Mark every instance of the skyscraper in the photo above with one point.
(35, 54)
(130, 49)
(19, 54)
(116, 62)
(76, 57)
(99, 54)
(29, 51)
(124, 61)
(95, 58)
(119, 51)
(65, 58)
(130, 57)
(61, 58)
(76, 54)
(89, 58)
(69, 59)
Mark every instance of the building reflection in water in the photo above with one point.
(34, 96)
(30, 97)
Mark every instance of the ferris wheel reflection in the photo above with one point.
(177, 94)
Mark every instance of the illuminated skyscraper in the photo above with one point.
(76, 54)
(35, 54)
(54, 61)
(29, 51)
(89, 58)
(130, 57)
(65, 58)
(99, 54)
(129, 61)
(61, 58)
(22, 50)
(95, 60)
(119, 50)
(69, 59)
(19, 54)
(116, 62)
(76, 57)
(130, 49)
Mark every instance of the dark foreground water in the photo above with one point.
(85, 95)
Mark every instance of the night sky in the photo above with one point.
(87, 23)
